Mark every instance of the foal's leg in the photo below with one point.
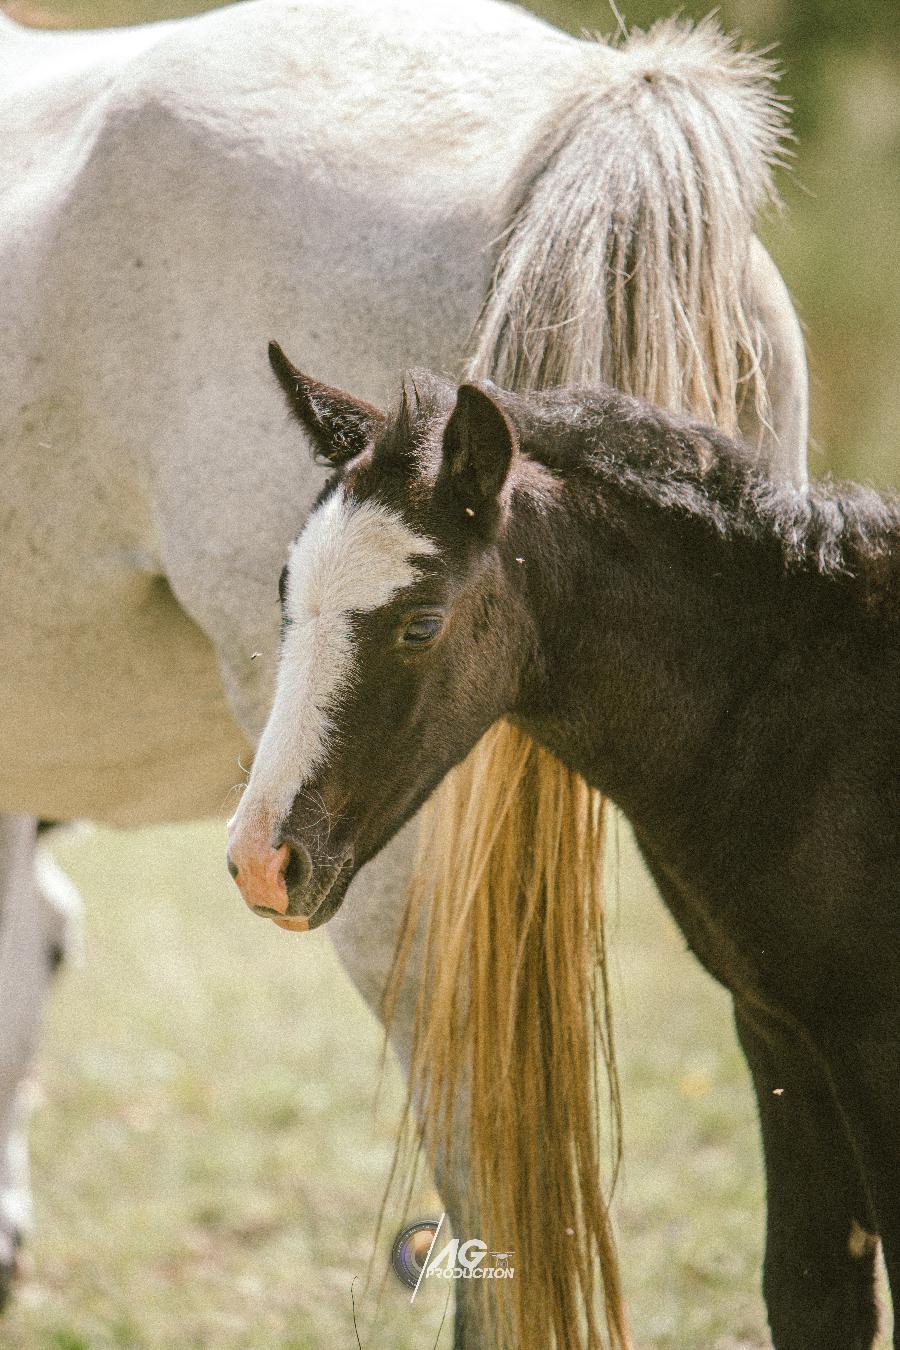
(364, 932)
(819, 1269)
(867, 1075)
(38, 913)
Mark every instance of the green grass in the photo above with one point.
(208, 1167)
(207, 1160)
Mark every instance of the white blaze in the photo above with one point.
(350, 557)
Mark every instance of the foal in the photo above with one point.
(717, 653)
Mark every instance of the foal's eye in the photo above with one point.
(282, 584)
(422, 630)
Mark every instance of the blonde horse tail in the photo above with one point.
(626, 260)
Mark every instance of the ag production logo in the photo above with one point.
(415, 1256)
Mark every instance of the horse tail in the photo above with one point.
(624, 261)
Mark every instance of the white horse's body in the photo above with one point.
(190, 191)
(331, 173)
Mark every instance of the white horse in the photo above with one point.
(362, 182)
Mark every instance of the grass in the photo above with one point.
(208, 1165)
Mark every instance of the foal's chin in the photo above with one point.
(313, 900)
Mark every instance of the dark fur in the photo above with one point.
(720, 654)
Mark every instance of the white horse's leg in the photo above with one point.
(39, 911)
(61, 906)
(24, 977)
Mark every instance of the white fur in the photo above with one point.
(351, 558)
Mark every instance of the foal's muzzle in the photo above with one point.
(284, 885)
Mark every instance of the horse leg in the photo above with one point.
(364, 933)
(819, 1271)
(866, 1071)
(38, 920)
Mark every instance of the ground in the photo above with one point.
(208, 1163)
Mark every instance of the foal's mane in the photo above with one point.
(621, 445)
(607, 441)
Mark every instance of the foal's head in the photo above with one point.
(405, 632)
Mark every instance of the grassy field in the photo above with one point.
(209, 1165)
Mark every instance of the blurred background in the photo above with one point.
(208, 1161)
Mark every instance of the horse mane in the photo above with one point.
(626, 260)
(833, 529)
(689, 468)
(692, 470)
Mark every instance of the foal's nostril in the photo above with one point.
(299, 870)
(231, 868)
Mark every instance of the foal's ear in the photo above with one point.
(479, 445)
(339, 426)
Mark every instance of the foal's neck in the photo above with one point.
(660, 615)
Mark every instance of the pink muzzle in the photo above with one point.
(258, 870)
